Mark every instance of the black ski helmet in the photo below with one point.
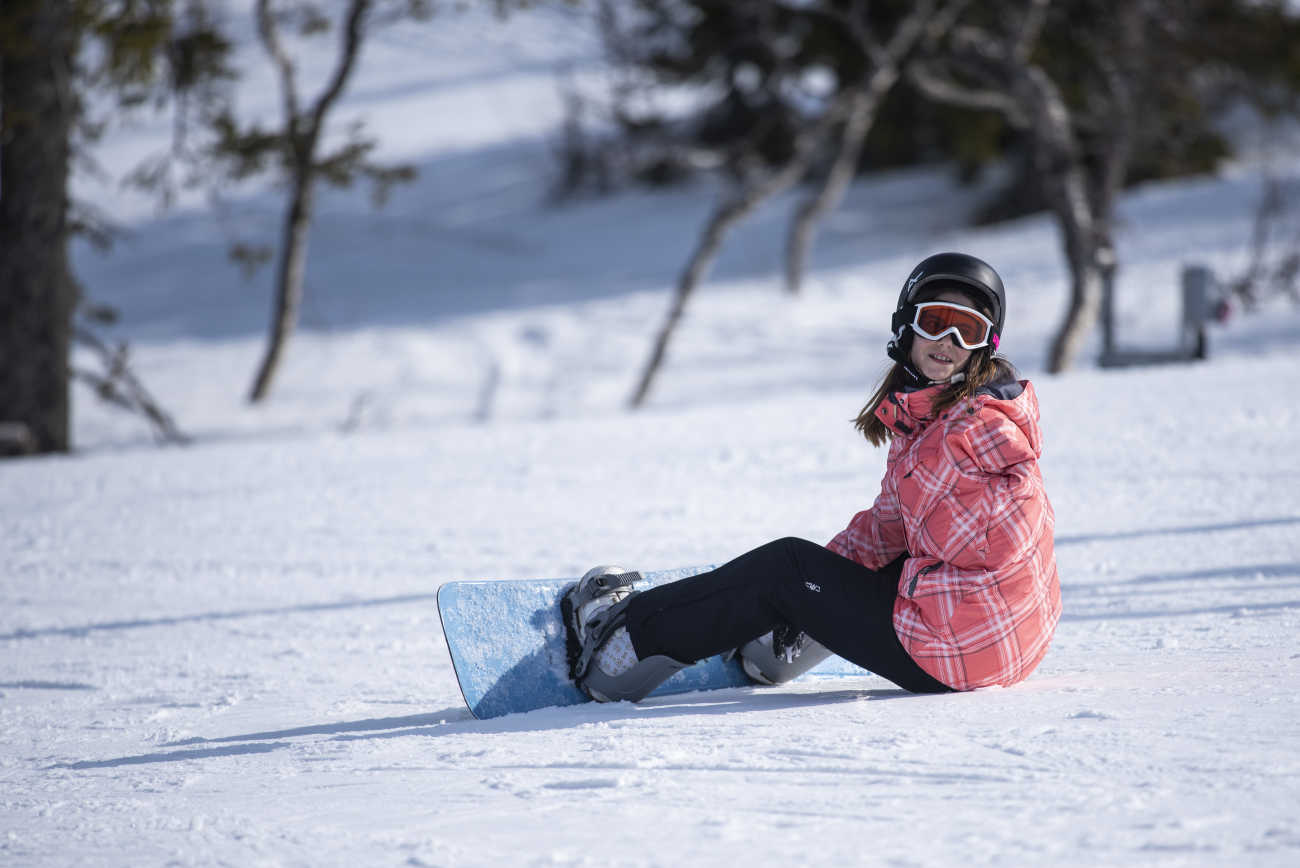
(973, 276)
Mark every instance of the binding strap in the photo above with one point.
(599, 629)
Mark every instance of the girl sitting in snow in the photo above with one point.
(948, 581)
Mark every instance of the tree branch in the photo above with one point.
(1030, 29)
(943, 89)
(270, 36)
(864, 103)
(119, 386)
(725, 217)
(352, 37)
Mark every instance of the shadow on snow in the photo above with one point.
(1161, 531)
(173, 620)
(458, 721)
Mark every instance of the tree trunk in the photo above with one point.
(1060, 165)
(1083, 253)
(726, 217)
(288, 278)
(828, 198)
(302, 133)
(1112, 162)
(37, 291)
(921, 24)
(1086, 284)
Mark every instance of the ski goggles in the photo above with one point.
(969, 328)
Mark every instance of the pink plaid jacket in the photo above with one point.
(979, 598)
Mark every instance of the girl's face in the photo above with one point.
(940, 360)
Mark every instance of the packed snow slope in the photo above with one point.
(229, 653)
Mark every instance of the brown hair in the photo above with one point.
(982, 368)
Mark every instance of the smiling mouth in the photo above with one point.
(941, 358)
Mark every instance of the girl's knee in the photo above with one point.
(803, 555)
(796, 544)
(800, 550)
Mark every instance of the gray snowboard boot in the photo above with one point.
(773, 659)
(602, 661)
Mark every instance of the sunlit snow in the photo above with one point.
(229, 653)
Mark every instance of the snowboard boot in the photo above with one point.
(602, 661)
(780, 656)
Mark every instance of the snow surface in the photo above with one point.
(229, 653)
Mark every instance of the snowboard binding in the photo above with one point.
(593, 609)
(780, 656)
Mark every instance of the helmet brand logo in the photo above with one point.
(914, 279)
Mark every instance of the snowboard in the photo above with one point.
(507, 644)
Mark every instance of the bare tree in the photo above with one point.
(302, 132)
(296, 146)
(850, 111)
(867, 93)
(728, 214)
(996, 69)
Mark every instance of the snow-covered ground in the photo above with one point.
(229, 653)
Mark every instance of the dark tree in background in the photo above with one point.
(1101, 96)
(161, 55)
(774, 126)
(147, 52)
(1080, 97)
(38, 107)
(994, 66)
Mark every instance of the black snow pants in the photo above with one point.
(836, 601)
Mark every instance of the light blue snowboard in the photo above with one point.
(507, 645)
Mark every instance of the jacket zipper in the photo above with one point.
(911, 589)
